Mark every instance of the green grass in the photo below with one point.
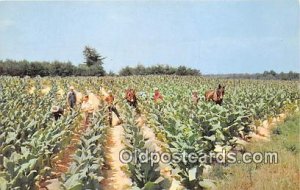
(284, 175)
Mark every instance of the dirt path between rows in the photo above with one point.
(156, 145)
(115, 177)
(62, 161)
(264, 130)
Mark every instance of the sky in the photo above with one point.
(214, 36)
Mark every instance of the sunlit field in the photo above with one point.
(39, 152)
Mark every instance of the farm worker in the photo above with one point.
(130, 97)
(71, 97)
(87, 109)
(195, 97)
(157, 96)
(57, 112)
(111, 107)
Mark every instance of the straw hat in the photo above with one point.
(109, 92)
(155, 88)
(54, 109)
(71, 87)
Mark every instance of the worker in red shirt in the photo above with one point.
(157, 96)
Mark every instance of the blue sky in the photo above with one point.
(214, 36)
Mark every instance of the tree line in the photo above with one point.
(56, 68)
(158, 70)
(91, 67)
(266, 75)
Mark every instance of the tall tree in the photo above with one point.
(94, 61)
(92, 57)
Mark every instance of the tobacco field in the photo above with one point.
(35, 149)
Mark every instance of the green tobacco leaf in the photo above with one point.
(31, 175)
(77, 186)
(7, 150)
(207, 184)
(93, 139)
(29, 165)
(159, 180)
(193, 173)
(220, 135)
(46, 171)
(151, 186)
(25, 152)
(216, 126)
(15, 157)
(211, 138)
(3, 183)
(9, 165)
(73, 182)
(218, 148)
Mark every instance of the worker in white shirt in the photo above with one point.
(87, 109)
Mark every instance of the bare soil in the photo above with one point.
(116, 177)
(62, 161)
